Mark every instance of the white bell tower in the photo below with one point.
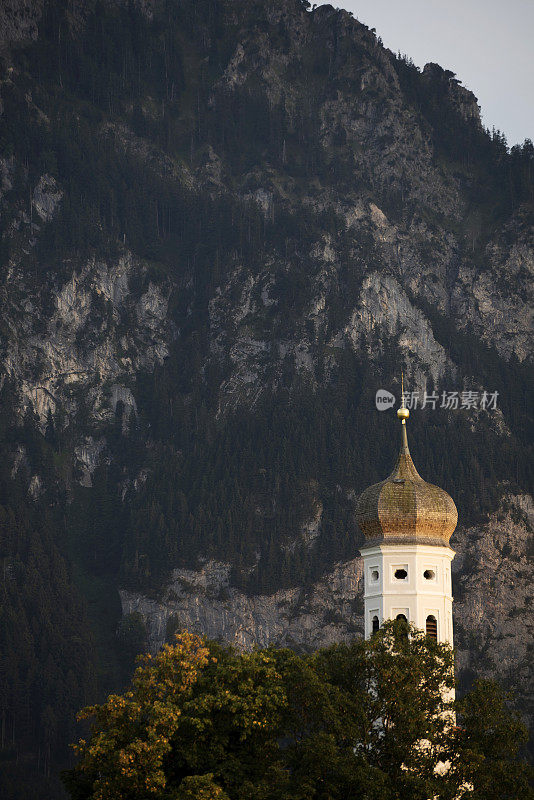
(411, 581)
(407, 524)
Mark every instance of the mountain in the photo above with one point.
(225, 224)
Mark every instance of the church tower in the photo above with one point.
(407, 524)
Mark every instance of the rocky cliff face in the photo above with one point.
(501, 316)
(78, 353)
(215, 248)
(386, 153)
(74, 346)
(204, 601)
(494, 573)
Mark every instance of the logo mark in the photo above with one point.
(384, 400)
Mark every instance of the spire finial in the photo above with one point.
(402, 412)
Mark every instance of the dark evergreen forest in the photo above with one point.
(63, 555)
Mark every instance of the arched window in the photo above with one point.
(376, 624)
(402, 616)
(401, 574)
(432, 627)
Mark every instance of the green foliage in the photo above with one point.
(199, 787)
(491, 737)
(369, 719)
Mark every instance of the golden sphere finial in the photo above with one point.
(402, 412)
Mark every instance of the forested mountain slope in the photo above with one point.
(224, 225)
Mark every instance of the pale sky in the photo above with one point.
(489, 44)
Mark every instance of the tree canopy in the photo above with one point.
(372, 719)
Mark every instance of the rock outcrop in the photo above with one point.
(75, 347)
(494, 575)
(204, 601)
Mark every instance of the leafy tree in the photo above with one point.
(369, 719)
(489, 741)
(133, 731)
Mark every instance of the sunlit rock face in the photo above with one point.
(502, 313)
(205, 602)
(493, 597)
(74, 344)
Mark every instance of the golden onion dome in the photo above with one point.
(405, 509)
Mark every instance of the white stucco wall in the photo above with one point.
(414, 596)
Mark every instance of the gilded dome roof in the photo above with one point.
(404, 508)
